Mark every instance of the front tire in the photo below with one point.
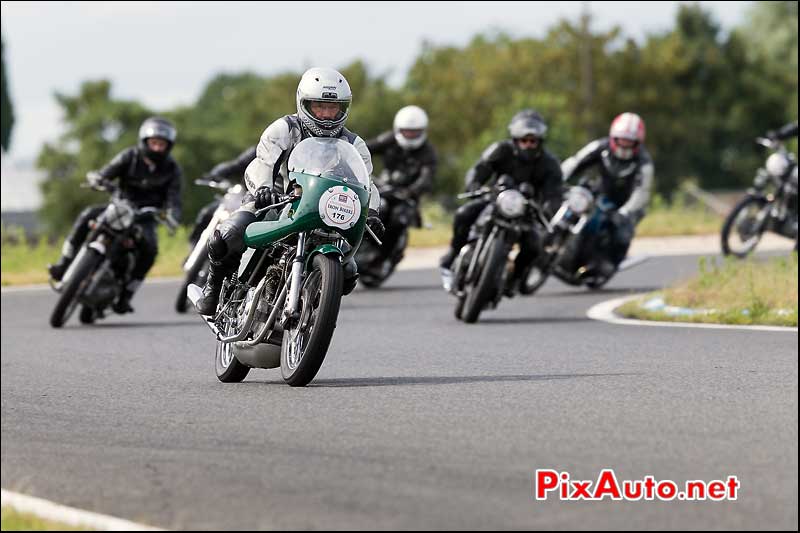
(488, 281)
(77, 283)
(192, 276)
(226, 366)
(743, 229)
(306, 344)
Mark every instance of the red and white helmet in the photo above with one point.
(628, 126)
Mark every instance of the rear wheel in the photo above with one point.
(79, 280)
(744, 227)
(488, 281)
(306, 344)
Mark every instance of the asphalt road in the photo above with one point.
(415, 420)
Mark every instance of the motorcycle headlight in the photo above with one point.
(777, 165)
(579, 199)
(118, 216)
(511, 203)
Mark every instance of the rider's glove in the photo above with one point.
(264, 197)
(375, 224)
(94, 179)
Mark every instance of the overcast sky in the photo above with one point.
(163, 53)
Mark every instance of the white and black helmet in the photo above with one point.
(160, 128)
(324, 85)
(411, 127)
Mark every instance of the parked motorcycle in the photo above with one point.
(281, 308)
(196, 264)
(102, 266)
(770, 205)
(482, 265)
(377, 263)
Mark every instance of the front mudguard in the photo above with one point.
(324, 249)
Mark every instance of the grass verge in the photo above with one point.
(24, 264)
(13, 520)
(751, 292)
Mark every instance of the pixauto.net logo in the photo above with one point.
(548, 483)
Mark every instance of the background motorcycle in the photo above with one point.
(375, 262)
(770, 205)
(575, 243)
(103, 265)
(482, 266)
(196, 265)
(282, 306)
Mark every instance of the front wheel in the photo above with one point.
(306, 344)
(488, 281)
(193, 275)
(226, 365)
(744, 226)
(79, 280)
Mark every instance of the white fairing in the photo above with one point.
(277, 139)
(323, 156)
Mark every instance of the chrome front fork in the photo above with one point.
(297, 276)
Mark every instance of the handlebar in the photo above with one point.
(286, 199)
(214, 184)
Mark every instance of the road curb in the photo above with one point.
(604, 312)
(70, 516)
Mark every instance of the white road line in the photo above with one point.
(68, 515)
(604, 311)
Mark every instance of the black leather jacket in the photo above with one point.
(626, 183)
(146, 185)
(542, 172)
(234, 169)
(415, 169)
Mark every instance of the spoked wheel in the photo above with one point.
(227, 367)
(534, 280)
(306, 343)
(488, 282)
(77, 284)
(744, 227)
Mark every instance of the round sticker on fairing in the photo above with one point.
(340, 207)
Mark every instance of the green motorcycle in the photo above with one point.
(281, 307)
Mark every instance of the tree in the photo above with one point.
(7, 113)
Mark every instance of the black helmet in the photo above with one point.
(160, 128)
(528, 123)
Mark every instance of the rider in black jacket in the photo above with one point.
(409, 162)
(625, 171)
(148, 177)
(232, 170)
(523, 158)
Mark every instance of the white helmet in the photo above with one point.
(323, 86)
(628, 126)
(410, 127)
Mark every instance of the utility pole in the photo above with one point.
(587, 80)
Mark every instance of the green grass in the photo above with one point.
(23, 264)
(16, 521)
(678, 218)
(762, 288)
